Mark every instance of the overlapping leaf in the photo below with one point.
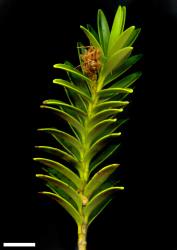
(65, 204)
(92, 39)
(115, 61)
(122, 68)
(117, 27)
(98, 199)
(60, 185)
(99, 178)
(60, 168)
(69, 142)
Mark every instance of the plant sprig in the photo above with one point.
(96, 95)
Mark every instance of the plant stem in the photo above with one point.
(82, 235)
(82, 229)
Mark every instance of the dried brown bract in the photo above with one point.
(91, 62)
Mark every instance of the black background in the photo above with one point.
(34, 36)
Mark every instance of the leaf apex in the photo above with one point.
(56, 65)
(115, 164)
(38, 175)
(54, 81)
(42, 106)
(42, 192)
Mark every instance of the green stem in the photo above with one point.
(82, 236)
(82, 229)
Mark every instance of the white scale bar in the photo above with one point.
(18, 244)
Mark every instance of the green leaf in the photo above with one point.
(74, 109)
(70, 86)
(99, 144)
(94, 132)
(59, 153)
(123, 68)
(103, 30)
(61, 193)
(107, 184)
(65, 116)
(124, 17)
(134, 36)
(100, 177)
(110, 105)
(93, 31)
(70, 143)
(92, 39)
(70, 109)
(112, 181)
(82, 84)
(103, 128)
(61, 168)
(66, 205)
(98, 210)
(115, 61)
(122, 41)
(111, 92)
(65, 187)
(56, 174)
(127, 81)
(98, 199)
(104, 114)
(76, 100)
(105, 154)
(75, 96)
(71, 69)
(117, 27)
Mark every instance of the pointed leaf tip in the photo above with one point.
(92, 39)
(118, 25)
(103, 30)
